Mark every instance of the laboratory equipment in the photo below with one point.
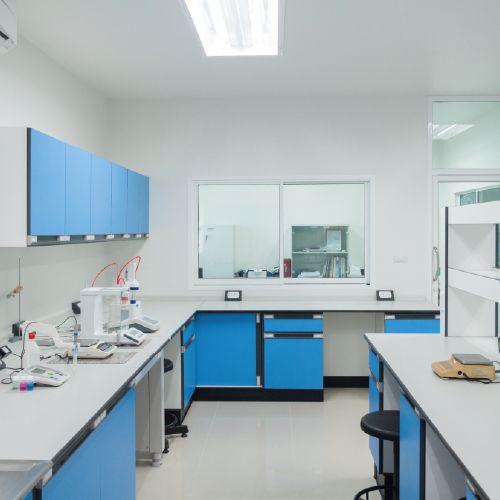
(44, 376)
(466, 366)
(92, 318)
(31, 351)
(131, 336)
(144, 324)
(95, 349)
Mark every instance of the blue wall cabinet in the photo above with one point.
(411, 452)
(293, 363)
(375, 400)
(143, 204)
(78, 175)
(103, 467)
(133, 202)
(100, 196)
(72, 192)
(47, 185)
(412, 323)
(226, 352)
(119, 180)
(29, 496)
(188, 363)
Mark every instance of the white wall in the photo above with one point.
(36, 92)
(380, 137)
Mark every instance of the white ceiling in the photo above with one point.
(148, 48)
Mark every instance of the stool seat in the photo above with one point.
(382, 424)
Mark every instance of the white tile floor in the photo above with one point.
(266, 451)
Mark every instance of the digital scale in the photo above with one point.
(94, 349)
(45, 376)
(145, 324)
(465, 366)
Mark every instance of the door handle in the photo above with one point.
(436, 272)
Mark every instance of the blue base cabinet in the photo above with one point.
(293, 351)
(226, 350)
(411, 452)
(412, 323)
(375, 401)
(188, 363)
(291, 363)
(103, 467)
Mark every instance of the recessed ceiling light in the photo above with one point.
(238, 27)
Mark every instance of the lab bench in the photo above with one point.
(448, 437)
(219, 351)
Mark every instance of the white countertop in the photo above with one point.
(465, 414)
(320, 305)
(38, 425)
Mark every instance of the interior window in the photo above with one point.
(465, 135)
(324, 230)
(238, 229)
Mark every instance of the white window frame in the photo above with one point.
(196, 283)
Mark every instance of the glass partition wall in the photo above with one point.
(465, 159)
(283, 232)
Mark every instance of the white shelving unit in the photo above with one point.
(472, 290)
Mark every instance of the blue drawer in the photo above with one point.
(293, 363)
(401, 325)
(374, 365)
(293, 325)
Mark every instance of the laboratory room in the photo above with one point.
(249, 250)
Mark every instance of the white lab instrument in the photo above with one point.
(131, 336)
(45, 376)
(144, 324)
(87, 348)
(94, 349)
(92, 318)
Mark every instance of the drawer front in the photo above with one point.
(293, 363)
(293, 325)
(412, 326)
(374, 365)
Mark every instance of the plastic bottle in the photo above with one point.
(31, 351)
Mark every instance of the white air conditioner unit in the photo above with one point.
(8, 25)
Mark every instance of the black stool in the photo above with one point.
(172, 426)
(383, 425)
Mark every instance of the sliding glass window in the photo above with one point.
(238, 231)
(324, 231)
(283, 232)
